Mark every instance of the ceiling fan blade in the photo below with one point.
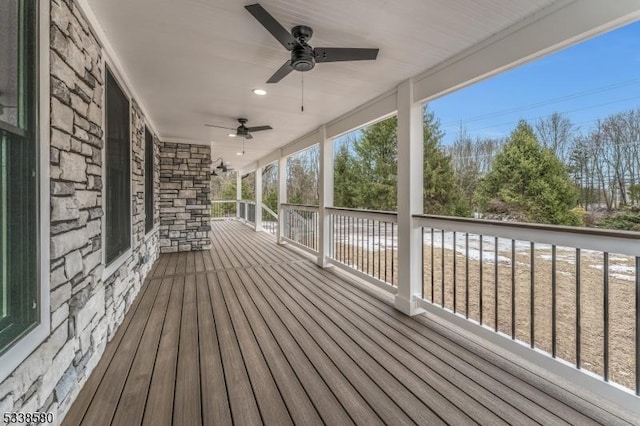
(259, 128)
(274, 27)
(281, 73)
(248, 136)
(337, 54)
(220, 127)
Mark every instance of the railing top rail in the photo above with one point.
(222, 201)
(384, 216)
(622, 242)
(311, 206)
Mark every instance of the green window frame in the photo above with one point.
(19, 206)
(118, 170)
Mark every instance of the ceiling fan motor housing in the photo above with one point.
(302, 56)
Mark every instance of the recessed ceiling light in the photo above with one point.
(239, 153)
(232, 135)
(259, 92)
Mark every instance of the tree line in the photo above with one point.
(546, 172)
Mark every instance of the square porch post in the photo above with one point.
(282, 196)
(325, 187)
(258, 192)
(238, 193)
(410, 175)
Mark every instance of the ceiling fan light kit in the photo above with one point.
(242, 130)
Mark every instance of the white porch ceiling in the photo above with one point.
(196, 61)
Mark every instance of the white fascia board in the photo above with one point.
(301, 144)
(561, 25)
(376, 109)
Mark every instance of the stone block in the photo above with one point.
(87, 199)
(73, 167)
(60, 140)
(95, 114)
(67, 242)
(61, 116)
(61, 70)
(59, 315)
(94, 306)
(63, 208)
(73, 264)
(187, 193)
(60, 295)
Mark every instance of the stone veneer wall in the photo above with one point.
(85, 309)
(185, 206)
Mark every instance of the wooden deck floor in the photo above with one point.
(252, 333)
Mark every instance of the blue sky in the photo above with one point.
(587, 81)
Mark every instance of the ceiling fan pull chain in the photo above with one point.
(302, 83)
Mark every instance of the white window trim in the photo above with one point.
(115, 264)
(28, 343)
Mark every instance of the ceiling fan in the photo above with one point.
(303, 56)
(222, 167)
(242, 130)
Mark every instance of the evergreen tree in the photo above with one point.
(377, 154)
(346, 179)
(530, 181)
(440, 192)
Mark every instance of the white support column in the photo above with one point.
(410, 152)
(258, 192)
(282, 195)
(325, 186)
(238, 192)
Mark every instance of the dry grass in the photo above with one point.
(621, 299)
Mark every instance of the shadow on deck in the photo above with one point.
(251, 333)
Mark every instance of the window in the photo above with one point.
(19, 300)
(148, 180)
(117, 164)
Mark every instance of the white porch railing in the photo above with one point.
(223, 209)
(269, 220)
(364, 242)
(572, 293)
(300, 226)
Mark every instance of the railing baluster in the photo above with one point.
(442, 263)
(385, 252)
(432, 266)
(532, 312)
(554, 343)
(606, 315)
(513, 289)
(480, 287)
(453, 246)
(466, 272)
(379, 249)
(495, 282)
(422, 259)
(578, 306)
(393, 252)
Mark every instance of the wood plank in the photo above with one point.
(468, 396)
(171, 265)
(293, 393)
(181, 266)
(244, 409)
(537, 404)
(215, 404)
(404, 386)
(160, 266)
(474, 370)
(367, 383)
(85, 397)
(187, 401)
(199, 261)
(134, 395)
(273, 332)
(272, 407)
(208, 261)
(108, 393)
(159, 408)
